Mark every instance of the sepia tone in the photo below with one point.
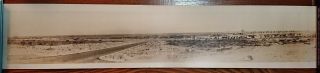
(224, 41)
(170, 70)
(266, 46)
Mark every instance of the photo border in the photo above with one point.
(163, 2)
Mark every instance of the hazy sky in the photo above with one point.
(77, 19)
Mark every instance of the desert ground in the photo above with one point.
(158, 51)
(163, 50)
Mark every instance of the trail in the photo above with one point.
(82, 57)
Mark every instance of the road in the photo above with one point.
(82, 57)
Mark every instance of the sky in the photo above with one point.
(82, 19)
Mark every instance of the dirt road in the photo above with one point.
(82, 57)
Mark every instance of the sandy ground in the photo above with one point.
(158, 51)
(17, 52)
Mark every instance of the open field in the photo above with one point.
(158, 51)
(280, 46)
